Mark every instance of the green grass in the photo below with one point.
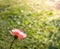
(41, 32)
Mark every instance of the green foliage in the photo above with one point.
(41, 33)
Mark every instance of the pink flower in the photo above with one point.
(18, 33)
(58, 6)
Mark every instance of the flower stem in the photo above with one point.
(12, 42)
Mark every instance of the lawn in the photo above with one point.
(39, 19)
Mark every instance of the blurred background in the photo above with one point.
(40, 20)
